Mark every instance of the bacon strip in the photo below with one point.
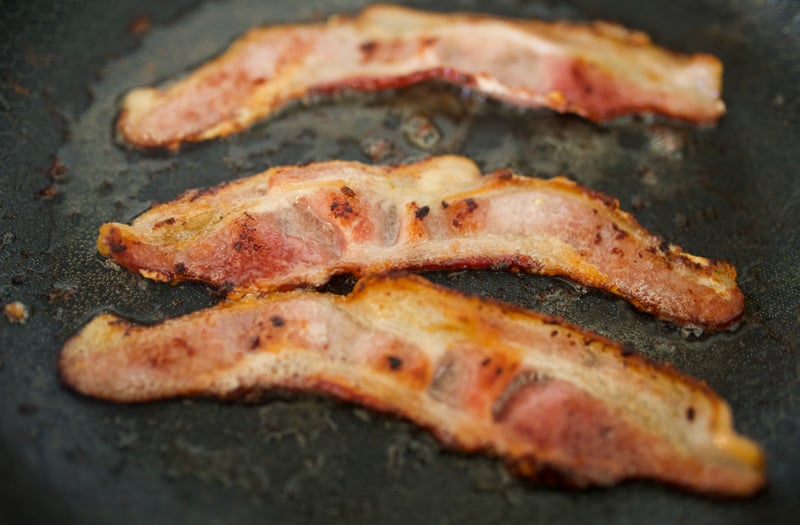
(555, 401)
(599, 71)
(299, 225)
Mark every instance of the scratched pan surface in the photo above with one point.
(728, 192)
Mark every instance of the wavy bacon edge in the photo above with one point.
(558, 403)
(599, 71)
(436, 214)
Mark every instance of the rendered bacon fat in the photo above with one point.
(599, 71)
(299, 225)
(482, 376)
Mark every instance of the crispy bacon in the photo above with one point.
(299, 225)
(551, 399)
(599, 71)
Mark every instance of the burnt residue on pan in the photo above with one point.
(726, 192)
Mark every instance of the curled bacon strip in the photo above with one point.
(548, 397)
(599, 71)
(300, 225)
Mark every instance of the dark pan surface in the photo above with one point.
(728, 192)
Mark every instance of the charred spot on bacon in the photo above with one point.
(598, 70)
(294, 226)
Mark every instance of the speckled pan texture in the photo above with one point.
(727, 192)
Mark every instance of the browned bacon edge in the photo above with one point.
(600, 71)
(555, 401)
(299, 225)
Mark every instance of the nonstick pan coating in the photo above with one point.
(727, 192)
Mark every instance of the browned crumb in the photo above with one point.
(19, 89)
(56, 171)
(139, 25)
(16, 312)
(48, 193)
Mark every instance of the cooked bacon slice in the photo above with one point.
(299, 225)
(548, 397)
(599, 71)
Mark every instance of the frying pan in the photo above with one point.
(726, 192)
